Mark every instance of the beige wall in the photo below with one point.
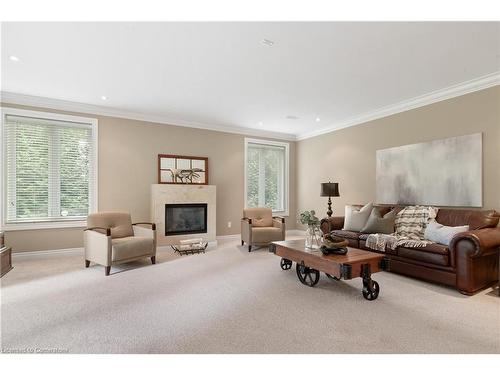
(128, 152)
(347, 156)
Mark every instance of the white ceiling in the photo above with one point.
(220, 74)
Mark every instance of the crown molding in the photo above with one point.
(65, 105)
(453, 91)
(463, 88)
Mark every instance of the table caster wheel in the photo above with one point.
(285, 264)
(307, 276)
(332, 277)
(371, 293)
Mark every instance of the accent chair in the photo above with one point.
(111, 238)
(259, 227)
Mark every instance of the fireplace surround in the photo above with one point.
(183, 194)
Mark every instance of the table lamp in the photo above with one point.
(330, 189)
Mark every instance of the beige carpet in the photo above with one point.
(232, 301)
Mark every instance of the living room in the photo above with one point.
(250, 188)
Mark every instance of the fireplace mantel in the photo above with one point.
(162, 194)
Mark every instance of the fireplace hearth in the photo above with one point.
(185, 218)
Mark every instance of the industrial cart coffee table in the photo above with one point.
(310, 262)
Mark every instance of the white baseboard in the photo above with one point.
(230, 237)
(296, 232)
(79, 250)
(290, 232)
(74, 250)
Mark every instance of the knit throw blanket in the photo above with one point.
(410, 226)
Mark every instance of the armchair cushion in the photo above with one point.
(266, 234)
(131, 247)
(119, 222)
(261, 216)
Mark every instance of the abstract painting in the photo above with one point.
(444, 172)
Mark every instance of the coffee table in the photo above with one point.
(310, 262)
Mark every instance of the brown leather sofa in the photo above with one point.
(469, 264)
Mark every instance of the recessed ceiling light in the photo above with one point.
(261, 123)
(267, 42)
(104, 97)
(318, 119)
(14, 58)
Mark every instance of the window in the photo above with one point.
(49, 169)
(266, 174)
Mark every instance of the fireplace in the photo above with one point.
(185, 218)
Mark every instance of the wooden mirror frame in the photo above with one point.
(176, 157)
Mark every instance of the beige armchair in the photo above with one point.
(111, 238)
(259, 227)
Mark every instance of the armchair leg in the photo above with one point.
(153, 259)
(249, 248)
(87, 263)
(107, 270)
(242, 242)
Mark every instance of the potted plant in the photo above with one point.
(310, 219)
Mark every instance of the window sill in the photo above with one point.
(280, 213)
(44, 225)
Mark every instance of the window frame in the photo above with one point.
(286, 177)
(93, 188)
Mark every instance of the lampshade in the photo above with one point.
(330, 189)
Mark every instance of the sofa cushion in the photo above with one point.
(378, 223)
(474, 219)
(346, 234)
(356, 218)
(432, 253)
(131, 247)
(350, 236)
(362, 245)
(442, 234)
(435, 248)
(266, 235)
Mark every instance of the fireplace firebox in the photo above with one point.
(185, 218)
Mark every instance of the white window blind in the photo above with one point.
(266, 175)
(48, 169)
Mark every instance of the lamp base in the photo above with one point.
(329, 212)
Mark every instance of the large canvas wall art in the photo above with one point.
(445, 172)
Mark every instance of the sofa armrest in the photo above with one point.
(100, 230)
(144, 232)
(97, 246)
(246, 230)
(153, 225)
(477, 242)
(475, 258)
(279, 222)
(331, 223)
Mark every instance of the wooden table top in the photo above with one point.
(353, 256)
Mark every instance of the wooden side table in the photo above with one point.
(5, 260)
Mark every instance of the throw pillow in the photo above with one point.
(356, 218)
(378, 224)
(442, 234)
